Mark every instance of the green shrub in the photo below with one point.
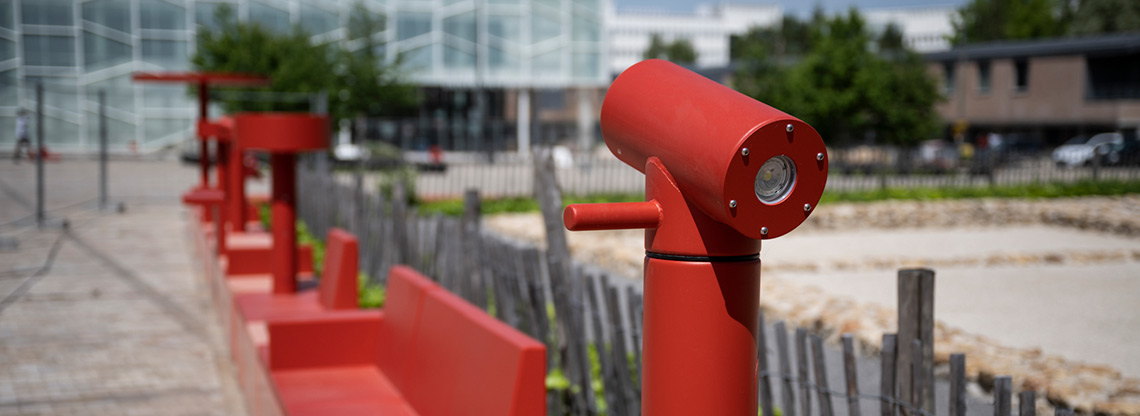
(372, 294)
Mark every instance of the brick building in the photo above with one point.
(1044, 91)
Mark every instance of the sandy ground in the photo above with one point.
(1065, 291)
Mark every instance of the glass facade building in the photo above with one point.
(77, 48)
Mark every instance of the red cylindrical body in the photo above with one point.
(221, 160)
(714, 140)
(284, 216)
(235, 211)
(700, 329)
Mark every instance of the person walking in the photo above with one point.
(22, 143)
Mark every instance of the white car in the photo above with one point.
(1080, 150)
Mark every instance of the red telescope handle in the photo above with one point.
(612, 216)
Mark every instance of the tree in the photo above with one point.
(841, 87)
(679, 51)
(990, 20)
(791, 39)
(364, 85)
(1104, 16)
(657, 48)
(297, 65)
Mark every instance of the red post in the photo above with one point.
(203, 145)
(282, 135)
(284, 231)
(220, 207)
(722, 172)
(236, 188)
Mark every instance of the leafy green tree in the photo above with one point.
(657, 48)
(990, 20)
(789, 40)
(679, 51)
(364, 84)
(291, 61)
(296, 65)
(1104, 16)
(841, 87)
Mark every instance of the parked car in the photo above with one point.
(1080, 151)
(1125, 152)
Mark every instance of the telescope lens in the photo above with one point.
(775, 179)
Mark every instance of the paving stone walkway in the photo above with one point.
(109, 316)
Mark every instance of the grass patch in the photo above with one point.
(454, 207)
(1032, 190)
(371, 294)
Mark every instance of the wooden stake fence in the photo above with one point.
(591, 321)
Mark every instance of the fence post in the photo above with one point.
(1027, 403)
(103, 149)
(917, 380)
(887, 383)
(621, 362)
(822, 388)
(957, 384)
(1003, 386)
(605, 360)
(563, 283)
(40, 154)
(788, 390)
(399, 223)
(550, 202)
(766, 407)
(916, 322)
(851, 376)
(469, 235)
(802, 371)
(634, 307)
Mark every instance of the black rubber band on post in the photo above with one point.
(703, 259)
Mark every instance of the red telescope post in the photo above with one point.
(283, 135)
(722, 172)
(204, 80)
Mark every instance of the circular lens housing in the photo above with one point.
(775, 179)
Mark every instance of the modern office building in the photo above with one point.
(513, 49)
(925, 28)
(708, 28)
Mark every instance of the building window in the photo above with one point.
(984, 76)
(1020, 75)
(948, 80)
(49, 50)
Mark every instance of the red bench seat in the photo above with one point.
(432, 354)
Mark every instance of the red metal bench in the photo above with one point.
(428, 353)
(335, 298)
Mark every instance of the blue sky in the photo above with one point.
(800, 7)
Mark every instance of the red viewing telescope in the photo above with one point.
(722, 172)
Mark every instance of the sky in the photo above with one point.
(798, 7)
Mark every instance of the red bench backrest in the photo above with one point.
(402, 308)
(464, 362)
(338, 284)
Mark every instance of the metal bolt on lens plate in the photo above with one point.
(819, 157)
(764, 230)
(732, 204)
(807, 207)
(744, 151)
(790, 127)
